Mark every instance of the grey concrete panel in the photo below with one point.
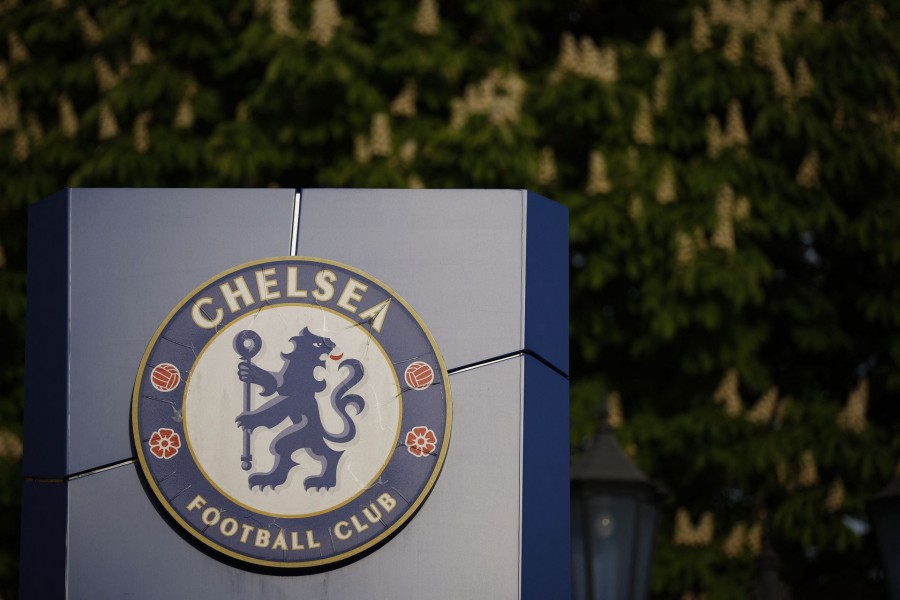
(458, 257)
(134, 253)
(463, 543)
(455, 255)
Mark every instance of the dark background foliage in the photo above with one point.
(731, 169)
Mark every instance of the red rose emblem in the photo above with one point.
(420, 441)
(164, 443)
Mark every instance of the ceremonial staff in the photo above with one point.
(247, 344)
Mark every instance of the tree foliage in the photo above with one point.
(731, 168)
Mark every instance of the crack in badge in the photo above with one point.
(285, 413)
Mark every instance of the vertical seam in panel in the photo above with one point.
(70, 212)
(69, 216)
(523, 253)
(524, 279)
(295, 224)
(67, 490)
(521, 472)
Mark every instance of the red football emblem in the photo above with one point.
(419, 375)
(165, 377)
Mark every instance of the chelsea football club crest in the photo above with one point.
(292, 412)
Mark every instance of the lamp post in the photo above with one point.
(884, 509)
(614, 514)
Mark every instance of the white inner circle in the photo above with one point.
(215, 396)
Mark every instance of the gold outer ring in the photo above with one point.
(411, 510)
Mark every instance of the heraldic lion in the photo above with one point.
(294, 389)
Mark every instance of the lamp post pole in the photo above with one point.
(766, 584)
(884, 510)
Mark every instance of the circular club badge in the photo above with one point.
(292, 412)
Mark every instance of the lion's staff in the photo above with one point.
(247, 344)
